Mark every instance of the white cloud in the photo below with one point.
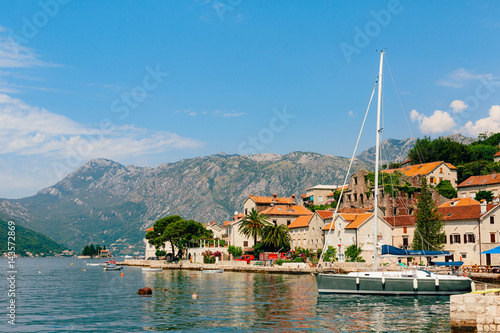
(351, 113)
(489, 124)
(458, 106)
(439, 122)
(26, 130)
(460, 78)
(233, 114)
(13, 54)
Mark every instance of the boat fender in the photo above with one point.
(415, 284)
(473, 286)
(357, 280)
(122, 274)
(383, 280)
(436, 282)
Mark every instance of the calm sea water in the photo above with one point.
(54, 296)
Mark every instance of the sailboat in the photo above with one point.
(408, 281)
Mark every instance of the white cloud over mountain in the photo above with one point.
(438, 122)
(489, 124)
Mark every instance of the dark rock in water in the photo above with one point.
(145, 291)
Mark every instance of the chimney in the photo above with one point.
(274, 196)
(483, 206)
(293, 198)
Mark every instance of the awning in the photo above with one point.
(388, 250)
(495, 250)
(448, 263)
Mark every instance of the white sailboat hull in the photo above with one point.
(393, 283)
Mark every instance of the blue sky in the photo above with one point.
(146, 83)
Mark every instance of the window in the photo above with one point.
(492, 237)
(288, 222)
(320, 198)
(469, 238)
(355, 180)
(455, 239)
(410, 211)
(349, 197)
(492, 220)
(464, 195)
(405, 230)
(246, 211)
(355, 197)
(245, 243)
(405, 242)
(463, 255)
(395, 211)
(440, 170)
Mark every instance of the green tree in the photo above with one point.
(352, 254)
(330, 254)
(177, 231)
(277, 237)
(486, 195)
(429, 234)
(253, 224)
(236, 251)
(446, 189)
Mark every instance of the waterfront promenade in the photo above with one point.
(286, 268)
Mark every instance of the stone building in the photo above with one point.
(402, 201)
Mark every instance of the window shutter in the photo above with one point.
(451, 239)
(465, 238)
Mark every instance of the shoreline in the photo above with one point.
(241, 266)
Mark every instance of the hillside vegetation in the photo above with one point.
(472, 159)
(27, 240)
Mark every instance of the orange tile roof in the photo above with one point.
(327, 227)
(497, 154)
(401, 220)
(348, 216)
(238, 217)
(481, 180)
(330, 194)
(226, 223)
(325, 214)
(420, 169)
(452, 213)
(304, 196)
(460, 202)
(300, 222)
(352, 210)
(270, 200)
(150, 229)
(286, 210)
(360, 219)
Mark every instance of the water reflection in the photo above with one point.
(64, 298)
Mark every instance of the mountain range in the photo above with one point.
(107, 203)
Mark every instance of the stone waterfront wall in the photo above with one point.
(475, 312)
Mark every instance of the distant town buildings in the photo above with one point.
(470, 226)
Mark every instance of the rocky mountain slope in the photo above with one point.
(107, 203)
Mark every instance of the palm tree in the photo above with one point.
(276, 236)
(253, 224)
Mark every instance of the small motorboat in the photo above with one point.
(212, 271)
(111, 267)
(150, 269)
(93, 263)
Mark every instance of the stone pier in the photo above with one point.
(475, 312)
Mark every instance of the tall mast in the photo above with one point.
(377, 154)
